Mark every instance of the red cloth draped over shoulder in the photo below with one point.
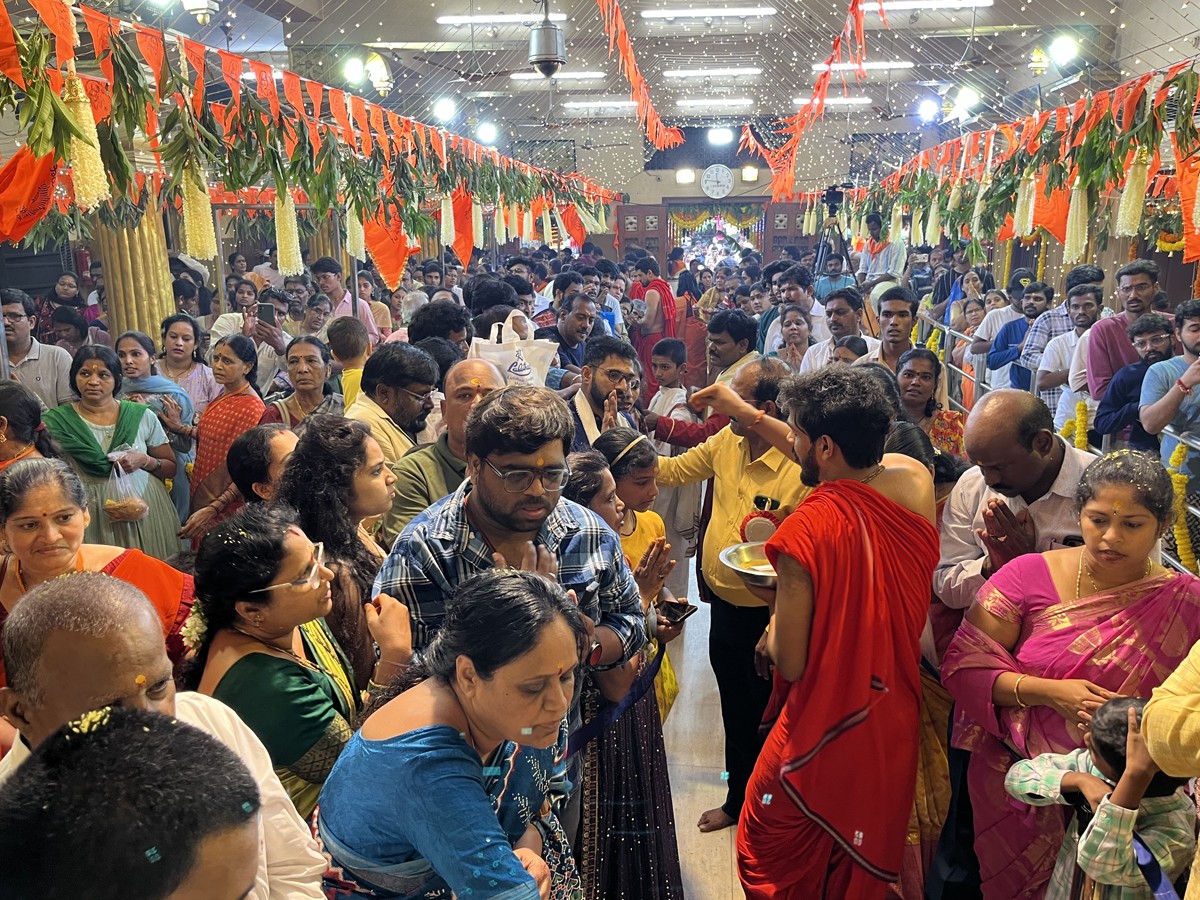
(871, 562)
(170, 591)
(669, 310)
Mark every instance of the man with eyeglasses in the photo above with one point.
(327, 273)
(43, 368)
(1118, 411)
(609, 370)
(576, 319)
(396, 397)
(510, 512)
(1109, 348)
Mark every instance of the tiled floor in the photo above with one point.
(695, 753)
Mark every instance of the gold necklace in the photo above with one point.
(308, 664)
(878, 471)
(177, 378)
(1092, 576)
(304, 413)
(78, 567)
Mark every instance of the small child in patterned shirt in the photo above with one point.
(1126, 792)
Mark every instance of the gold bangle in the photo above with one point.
(1017, 691)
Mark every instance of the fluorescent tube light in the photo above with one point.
(869, 65)
(836, 101)
(712, 12)
(731, 72)
(598, 104)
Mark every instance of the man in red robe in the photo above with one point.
(660, 320)
(828, 805)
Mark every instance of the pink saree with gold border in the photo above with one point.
(1127, 640)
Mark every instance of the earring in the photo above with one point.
(3, 437)
(258, 621)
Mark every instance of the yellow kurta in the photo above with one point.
(726, 456)
(649, 528)
(392, 439)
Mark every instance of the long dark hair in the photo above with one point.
(240, 555)
(931, 405)
(243, 348)
(688, 285)
(492, 618)
(145, 341)
(185, 319)
(21, 407)
(318, 482)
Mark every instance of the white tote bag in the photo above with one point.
(520, 360)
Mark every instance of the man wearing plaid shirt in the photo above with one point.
(510, 512)
(1051, 324)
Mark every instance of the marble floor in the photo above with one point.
(695, 752)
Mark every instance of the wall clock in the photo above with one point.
(717, 181)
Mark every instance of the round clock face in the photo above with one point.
(717, 181)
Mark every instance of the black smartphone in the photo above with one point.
(676, 612)
(266, 313)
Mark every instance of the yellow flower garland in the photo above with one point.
(912, 338)
(1183, 537)
(934, 340)
(1081, 425)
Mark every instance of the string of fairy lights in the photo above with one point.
(708, 63)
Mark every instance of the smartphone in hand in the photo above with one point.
(676, 612)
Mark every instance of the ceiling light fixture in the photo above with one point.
(203, 10)
(965, 100)
(379, 73)
(685, 176)
(506, 19)
(749, 173)
(836, 101)
(929, 109)
(599, 104)
(730, 72)
(897, 5)
(558, 76)
(354, 69)
(445, 109)
(1063, 49)
(869, 65)
(720, 136)
(487, 133)
(712, 12)
(690, 102)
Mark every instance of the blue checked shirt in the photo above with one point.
(439, 550)
(1045, 328)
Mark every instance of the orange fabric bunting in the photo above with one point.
(231, 68)
(389, 247)
(359, 107)
(464, 225)
(101, 28)
(1186, 175)
(569, 217)
(150, 42)
(26, 190)
(195, 53)
(264, 85)
(10, 62)
(58, 18)
(656, 131)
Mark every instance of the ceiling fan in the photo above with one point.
(476, 73)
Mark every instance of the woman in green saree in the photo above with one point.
(96, 424)
(263, 648)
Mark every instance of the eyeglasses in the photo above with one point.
(311, 579)
(1130, 288)
(12, 318)
(1155, 340)
(518, 481)
(420, 398)
(616, 376)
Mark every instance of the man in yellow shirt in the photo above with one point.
(748, 475)
(396, 397)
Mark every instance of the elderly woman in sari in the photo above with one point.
(480, 715)
(1051, 637)
(309, 364)
(143, 384)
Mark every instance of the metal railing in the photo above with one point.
(979, 378)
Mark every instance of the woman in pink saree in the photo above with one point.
(1050, 638)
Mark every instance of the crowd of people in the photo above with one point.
(329, 590)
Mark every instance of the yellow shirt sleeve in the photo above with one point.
(351, 384)
(1171, 720)
(693, 466)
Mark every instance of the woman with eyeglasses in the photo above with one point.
(44, 515)
(262, 646)
(336, 478)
